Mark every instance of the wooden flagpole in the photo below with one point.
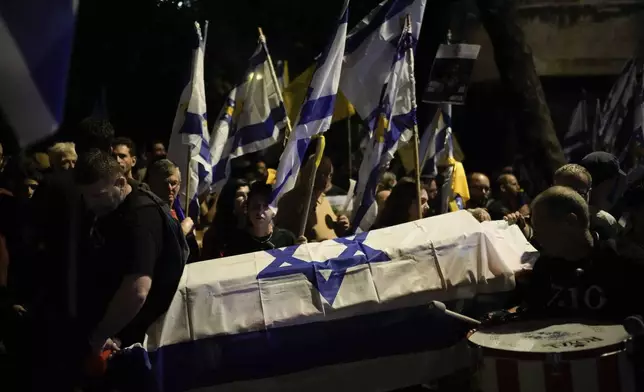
(278, 88)
(319, 151)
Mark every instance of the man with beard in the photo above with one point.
(479, 185)
(128, 249)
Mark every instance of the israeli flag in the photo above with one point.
(348, 314)
(221, 144)
(435, 142)
(257, 115)
(189, 146)
(370, 47)
(36, 39)
(395, 128)
(317, 109)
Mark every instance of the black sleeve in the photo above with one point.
(497, 211)
(142, 241)
(537, 290)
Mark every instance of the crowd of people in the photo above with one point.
(92, 244)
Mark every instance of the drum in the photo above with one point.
(553, 356)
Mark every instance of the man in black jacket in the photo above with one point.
(578, 274)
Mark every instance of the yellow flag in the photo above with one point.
(460, 190)
(295, 92)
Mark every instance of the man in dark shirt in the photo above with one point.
(510, 198)
(126, 242)
(577, 274)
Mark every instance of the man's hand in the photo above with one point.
(342, 224)
(19, 310)
(110, 344)
(187, 225)
(515, 218)
(301, 240)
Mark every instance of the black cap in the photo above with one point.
(602, 166)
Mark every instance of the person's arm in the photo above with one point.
(142, 242)
(125, 305)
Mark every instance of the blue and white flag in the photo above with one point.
(36, 39)
(256, 118)
(370, 47)
(396, 123)
(348, 314)
(221, 144)
(616, 107)
(435, 144)
(189, 146)
(317, 109)
(578, 139)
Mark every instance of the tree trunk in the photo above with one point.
(514, 61)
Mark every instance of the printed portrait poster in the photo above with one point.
(451, 73)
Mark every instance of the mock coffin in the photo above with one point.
(349, 311)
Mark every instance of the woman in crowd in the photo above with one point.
(229, 219)
(259, 232)
(402, 205)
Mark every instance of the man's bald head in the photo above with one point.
(479, 185)
(559, 203)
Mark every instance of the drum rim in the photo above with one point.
(609, 349)
(612, 349)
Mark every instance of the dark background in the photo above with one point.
(139, 52)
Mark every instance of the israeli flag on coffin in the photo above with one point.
(36, 43)
(344, 314)
(369, 49)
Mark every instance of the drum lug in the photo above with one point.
(554, 360)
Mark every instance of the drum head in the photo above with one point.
(549, 336)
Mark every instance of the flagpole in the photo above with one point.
(278, 88)
(410, 61)
(319, 151)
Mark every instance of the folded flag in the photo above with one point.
(36, 39)
(351, 311)
(396, 123)
(370, 47)
(189, 146)
(317, 110)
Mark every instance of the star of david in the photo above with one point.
(326, 276)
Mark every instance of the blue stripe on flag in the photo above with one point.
(355, 38)
(317, 109)
(302, 146)
(368, 198)
(43, 31)
(276, 351)
(259, 131)
(192, 124)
